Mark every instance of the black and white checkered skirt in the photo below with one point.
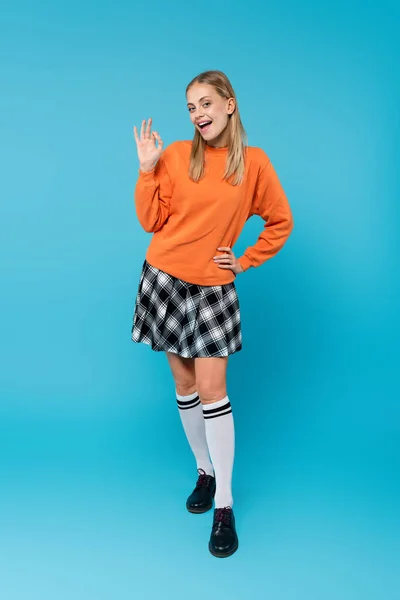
(191, 320)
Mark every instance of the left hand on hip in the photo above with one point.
(228, 260)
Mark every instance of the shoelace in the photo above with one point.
(203, 480)
(223, 515)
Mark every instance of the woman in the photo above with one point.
(195, 197)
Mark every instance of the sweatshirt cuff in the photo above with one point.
(244, 262)
(147, 177)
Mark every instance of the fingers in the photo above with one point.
(223, 256)
(157, 137)
(227, 261)
(229, 256)
(224, 260)
(145, 129)
(146, 133)
(148, 128)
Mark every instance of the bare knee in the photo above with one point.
(185, 388)
(183, 373)
(211, 378)
(211, 393)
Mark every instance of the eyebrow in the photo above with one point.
(203, 98)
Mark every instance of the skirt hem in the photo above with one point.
(156, 348)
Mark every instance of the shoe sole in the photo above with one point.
(221, 555)
(199, 511)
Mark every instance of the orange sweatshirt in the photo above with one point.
(191, 220)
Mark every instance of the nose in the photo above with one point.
(197, 114)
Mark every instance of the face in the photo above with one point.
(209, 113)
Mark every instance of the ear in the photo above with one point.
(231, 105)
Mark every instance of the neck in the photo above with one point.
(219, 142)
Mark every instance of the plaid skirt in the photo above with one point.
(191, 320)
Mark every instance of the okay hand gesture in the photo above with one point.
(148, 150)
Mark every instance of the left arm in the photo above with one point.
(271, 204)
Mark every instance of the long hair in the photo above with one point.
(235, 162)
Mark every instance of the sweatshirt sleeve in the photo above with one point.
(271, 204)
(152, 196)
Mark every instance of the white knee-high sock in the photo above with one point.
(220, 433)
(191, 413)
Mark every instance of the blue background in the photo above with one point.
(94, 465)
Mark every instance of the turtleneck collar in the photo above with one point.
(214, 150)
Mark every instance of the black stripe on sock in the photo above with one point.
(188, 403)
(209, 411)
(187, 407)
(219, 415)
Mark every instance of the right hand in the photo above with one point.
(148, 151)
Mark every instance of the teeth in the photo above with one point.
(204, 123)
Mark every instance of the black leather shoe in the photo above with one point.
(224, 540)
(201, 499)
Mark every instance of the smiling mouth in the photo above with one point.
(204, 125)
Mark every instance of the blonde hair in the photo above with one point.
(235, 162)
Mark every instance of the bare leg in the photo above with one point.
(190, 409)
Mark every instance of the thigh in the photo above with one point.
(211, 378)
(183, 373)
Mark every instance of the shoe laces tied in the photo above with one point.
(223, 515)
(203, 480)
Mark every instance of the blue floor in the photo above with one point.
(96, 509)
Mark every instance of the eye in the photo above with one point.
(206, 104)
(191, 109)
